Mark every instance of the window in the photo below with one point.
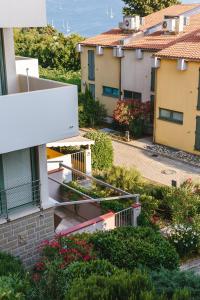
(92, 90)
(3, 85)
(171, 116)
(110, 92)
(91, 65)
(132, 95)
(197, 136)
(19, 184)
(153, 79)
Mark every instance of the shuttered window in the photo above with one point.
(3, 84)
(198, 100)
(91, 65)
(110, 92)
(197, 135)
(171, 116)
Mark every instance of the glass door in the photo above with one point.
(3, 84)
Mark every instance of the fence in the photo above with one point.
(124, 218)
(14, 198)
(78, 161)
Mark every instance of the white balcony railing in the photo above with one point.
(44, 111)
(22, 13)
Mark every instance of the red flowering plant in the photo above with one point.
(62, 251)
(131, 113)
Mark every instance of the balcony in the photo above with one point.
(19, 197)
(43, 111)
(22, 13)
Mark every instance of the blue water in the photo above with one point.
(86, 17)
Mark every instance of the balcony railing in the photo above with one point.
(15, 198)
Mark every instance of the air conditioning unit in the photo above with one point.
(79, 48)
(169, 25)
(118, 51)
(99, 50)
(181, 64)
(139, 54)
(131, 23)
(155, 62)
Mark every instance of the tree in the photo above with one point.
(52, 48)
(146, 7)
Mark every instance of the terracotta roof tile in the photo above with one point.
(187, 47)
(114, 36)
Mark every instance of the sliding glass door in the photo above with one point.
(3, 84)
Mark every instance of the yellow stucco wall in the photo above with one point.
(177, 91)
(107, 73)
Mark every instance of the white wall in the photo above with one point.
(9, 48)
(136, 74)
(24, 63)
(44, 191)
(22, 13)
(38, 117)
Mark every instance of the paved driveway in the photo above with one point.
(159, 169)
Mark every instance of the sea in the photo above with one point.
(85, 17)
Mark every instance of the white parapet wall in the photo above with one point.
(22, 13)
(47, 113)
(27, 66)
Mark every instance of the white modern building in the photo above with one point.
(33, 112)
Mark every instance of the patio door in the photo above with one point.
(3, 83)
(17, 178)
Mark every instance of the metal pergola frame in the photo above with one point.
(125, 195)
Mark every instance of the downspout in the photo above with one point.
(155, 106)
(120, 77)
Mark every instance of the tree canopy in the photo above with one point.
(146, 7)
(51, 47)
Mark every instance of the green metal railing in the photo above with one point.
(16, 198)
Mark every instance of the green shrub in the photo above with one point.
(12, 287)
(10, 265)
(102, 150)
(130, 247)
(122, 177)
(121, 286)
(86, 269)
(91, 111)
(167, 282)
(51, 47)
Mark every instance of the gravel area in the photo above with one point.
(181, 155)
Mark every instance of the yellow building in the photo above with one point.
(101, 55)
(177, 105)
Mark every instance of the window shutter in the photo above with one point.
(197, 134)
(198, 102)
(91, 65)
(3, 83)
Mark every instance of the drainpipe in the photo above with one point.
(120, 77)
(27, 80)
(155, 107)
